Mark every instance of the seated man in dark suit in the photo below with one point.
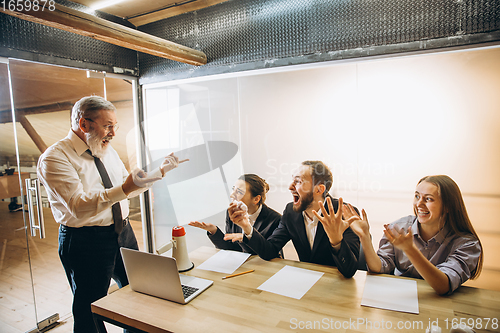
(319, 235)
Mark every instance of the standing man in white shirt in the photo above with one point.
(88, 189)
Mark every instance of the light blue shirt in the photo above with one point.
(456, 256)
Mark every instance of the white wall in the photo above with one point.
(380, 125)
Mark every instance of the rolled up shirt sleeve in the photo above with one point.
(74, 186)
(461, 262)
(386, 255)
(65, 187)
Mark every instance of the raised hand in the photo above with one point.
(399, 238)
(170, 162)
(359, 225)
(333, 223)
(211, 228)
(142, 179)
(239, 217)
(138, 179)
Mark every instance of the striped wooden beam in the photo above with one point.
(68, 19)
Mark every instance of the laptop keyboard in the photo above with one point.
(188, 291)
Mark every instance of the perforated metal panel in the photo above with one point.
(252, 34)
(32, 38)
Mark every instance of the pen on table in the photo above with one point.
(232, 275)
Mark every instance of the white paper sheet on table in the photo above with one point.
(224, 261)
(291, 282)
(390, 294)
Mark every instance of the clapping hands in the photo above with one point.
(398, 237)
(359, 225)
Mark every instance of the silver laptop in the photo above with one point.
(157, 276)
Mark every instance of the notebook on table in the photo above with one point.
(157, 276)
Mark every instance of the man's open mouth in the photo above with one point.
(106, 140)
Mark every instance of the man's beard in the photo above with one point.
(95, 143)
(305, 202)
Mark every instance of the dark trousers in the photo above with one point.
(91, 257)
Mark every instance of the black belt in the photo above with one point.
(94, 228)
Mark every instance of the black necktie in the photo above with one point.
(117, 212)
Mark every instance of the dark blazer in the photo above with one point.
(265, 224)
(292, 227)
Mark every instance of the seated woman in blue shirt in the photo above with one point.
(251, 190)
(439, 244)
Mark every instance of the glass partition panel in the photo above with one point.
(34, 285)
(199, 122)
(120, 92)
(380, 125)
(16, 297)
(43, 98)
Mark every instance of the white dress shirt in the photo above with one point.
(252, 218)
(311, 227)
(75, 191)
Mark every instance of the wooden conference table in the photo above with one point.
(332, 304)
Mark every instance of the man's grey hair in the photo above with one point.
(89, 107)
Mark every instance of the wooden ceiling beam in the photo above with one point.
(46, 108)
(84, 24)
(37, 139)
(6, 115)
